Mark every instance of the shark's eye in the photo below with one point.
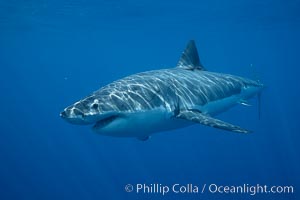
(95, 106)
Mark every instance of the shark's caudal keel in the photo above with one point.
(161, 100)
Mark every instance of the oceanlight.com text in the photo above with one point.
(250, 189)
(176, 188)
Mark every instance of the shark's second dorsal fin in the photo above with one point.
(190, 58)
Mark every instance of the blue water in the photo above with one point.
(54, 52)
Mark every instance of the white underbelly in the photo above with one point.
(142, 124)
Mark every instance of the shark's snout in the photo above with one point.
(73, 115)
(63, 114)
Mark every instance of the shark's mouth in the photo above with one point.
(104, 122)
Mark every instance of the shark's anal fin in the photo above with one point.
(198, 117)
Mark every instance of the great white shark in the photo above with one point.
(160, 100)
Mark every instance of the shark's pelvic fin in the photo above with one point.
(198, 117)
(190, 59)
(144, 138)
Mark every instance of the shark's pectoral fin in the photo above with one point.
(198, 117)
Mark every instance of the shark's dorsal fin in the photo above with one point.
(190, 59)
